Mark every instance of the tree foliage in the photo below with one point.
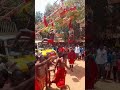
(38, 17)
(49, 9)
(78, 15)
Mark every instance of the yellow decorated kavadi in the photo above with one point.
(42, 73)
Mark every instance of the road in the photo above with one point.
(75, 79)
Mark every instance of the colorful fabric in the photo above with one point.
(60, 77)
(62, 49)
(37, 85)
(50, 41)
(71, 57)
(45, 21)
(70, 25)
(40, 78)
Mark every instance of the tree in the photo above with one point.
(49, 9)
(62, 23)
(38, 16)
(76, 28)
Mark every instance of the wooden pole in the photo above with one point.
(9, 13)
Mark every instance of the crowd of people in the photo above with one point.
(63, 48)
(65, 54)
(104, 63)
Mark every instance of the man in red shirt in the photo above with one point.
(71, 57)
(61, 49)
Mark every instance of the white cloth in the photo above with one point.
(101, 57)
(77, 50)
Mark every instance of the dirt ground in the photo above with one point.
(107, 85)
(76, 79)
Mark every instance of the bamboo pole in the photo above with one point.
(9, 13)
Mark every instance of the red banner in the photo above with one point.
(45, 21)
(70, 24)
(73, 8)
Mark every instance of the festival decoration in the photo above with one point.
(64, 12)
(50, 41)
(73, 8)
(45, 21)
(70, 24)
(59, 35)
(71, 17)
(63, 17)
(52, 23)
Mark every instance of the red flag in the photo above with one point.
(73, 8)
(45, 21)
(62, 13)
(52, 24)
(70, 24)
(50, 41)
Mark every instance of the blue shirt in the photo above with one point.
(82, 50)
(109, 57)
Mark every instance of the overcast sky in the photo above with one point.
(41, 4)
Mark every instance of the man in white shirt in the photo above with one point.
(101, 59)
(77, 51)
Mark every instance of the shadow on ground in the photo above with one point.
(75, 79)
(78, 72)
